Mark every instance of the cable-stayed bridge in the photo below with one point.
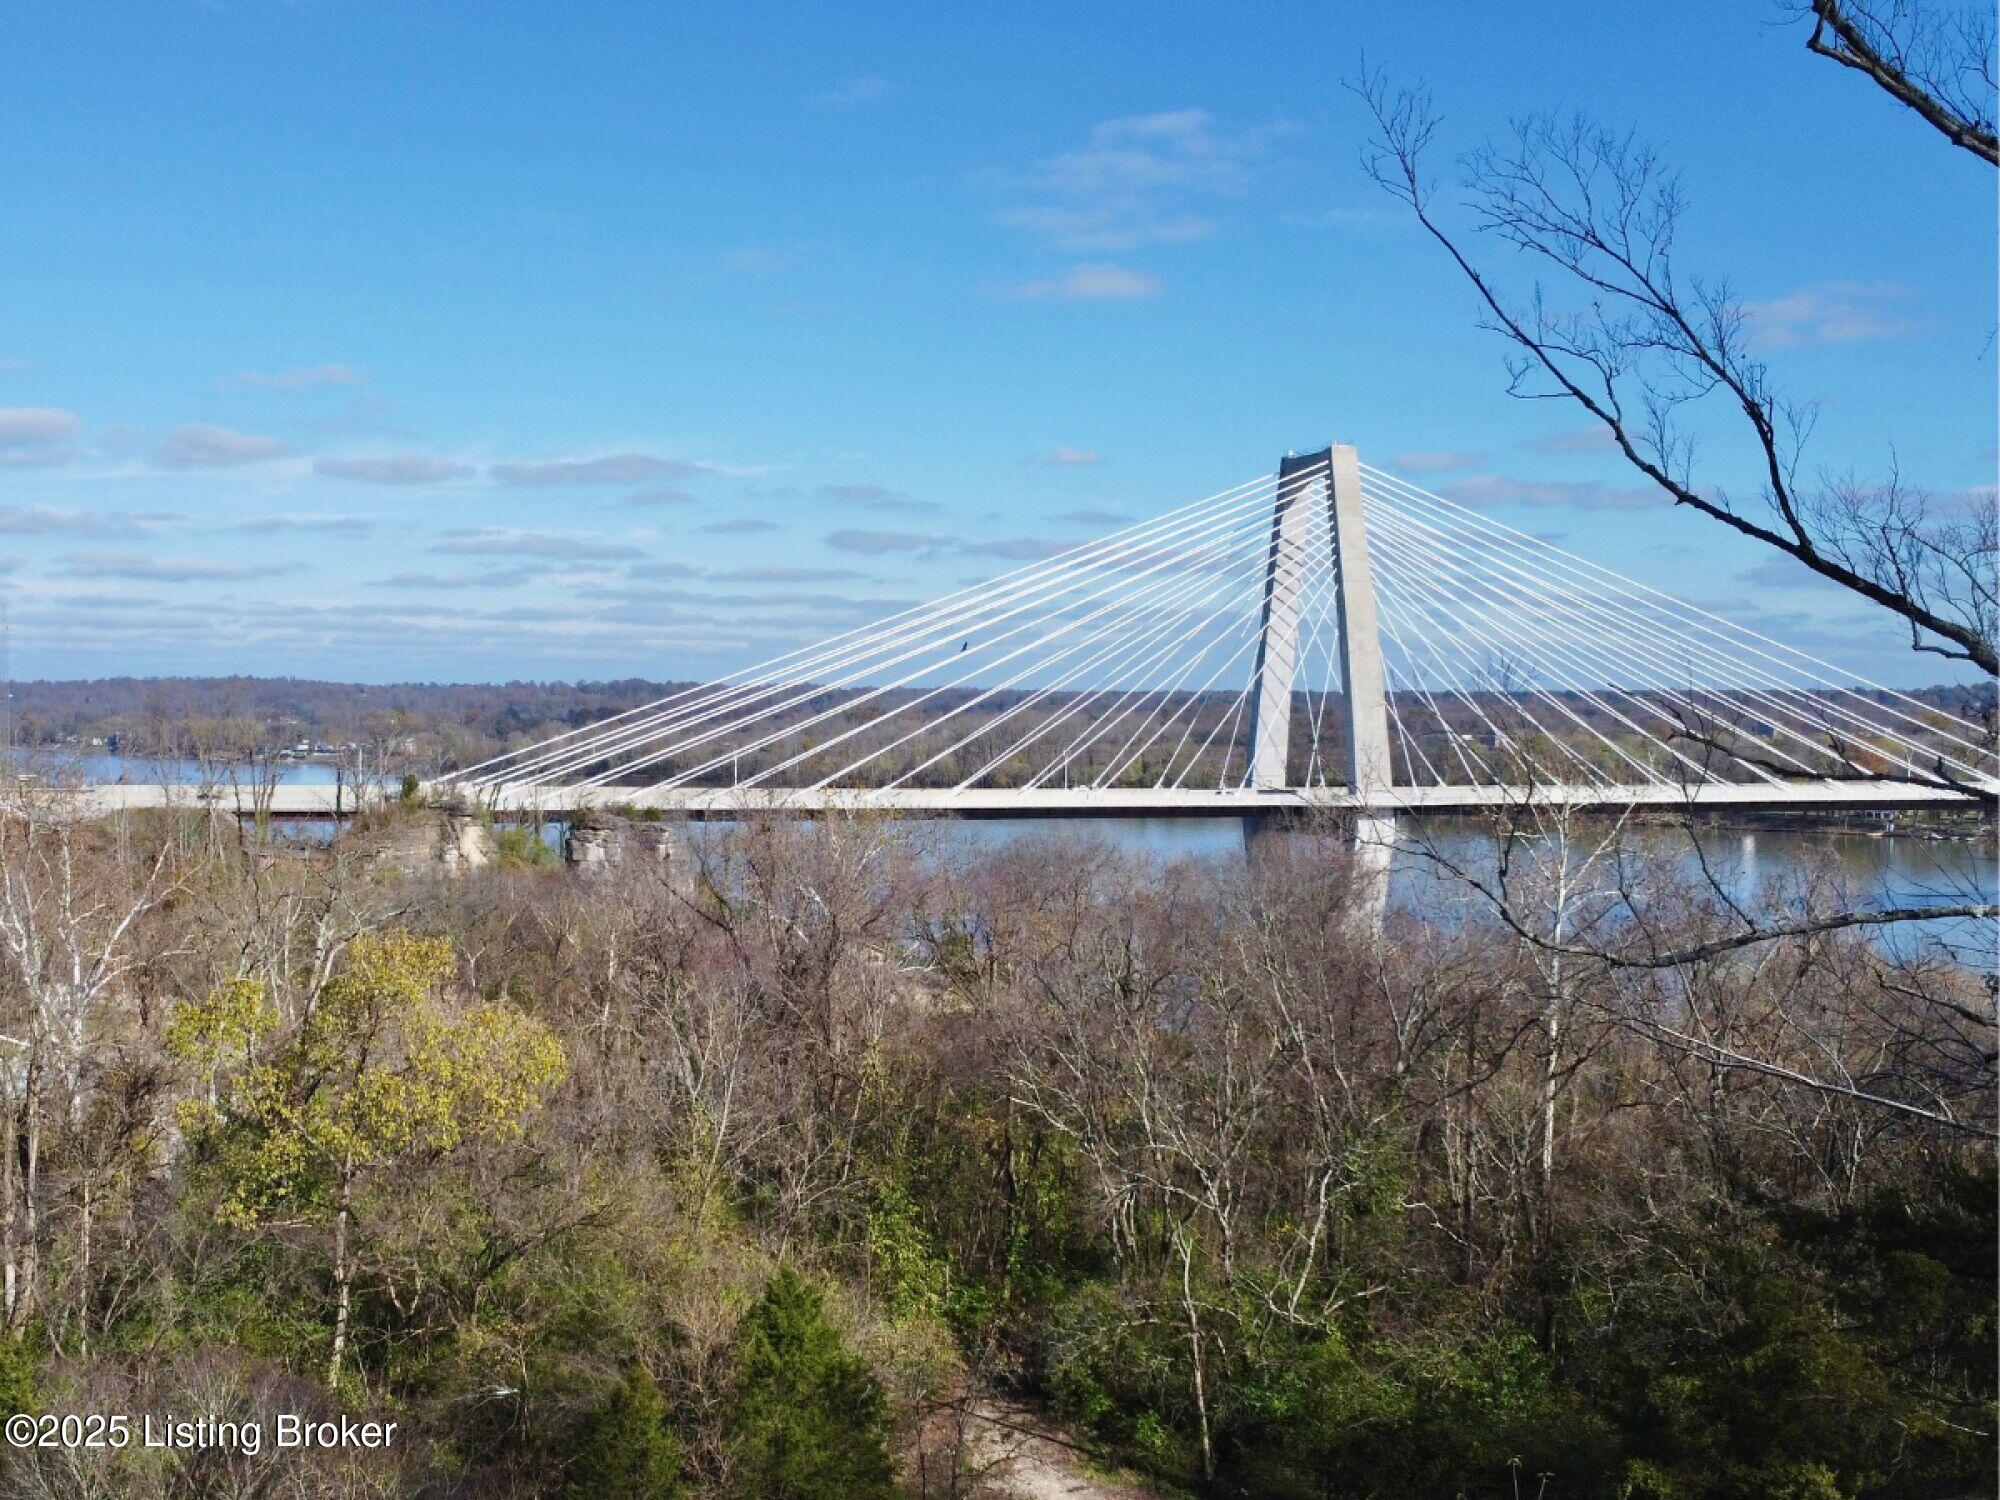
(1326, 636)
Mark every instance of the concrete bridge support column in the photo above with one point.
(598, 847)
(1372, 836)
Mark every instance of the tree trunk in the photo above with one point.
(1195, 1352)
(343, 1276)
(31, 1213)
(10, 1193)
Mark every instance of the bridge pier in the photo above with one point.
(1369, 839)
(599, 845)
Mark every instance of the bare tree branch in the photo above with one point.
(1646, 346)
(1940, 66)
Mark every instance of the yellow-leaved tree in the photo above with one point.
(384, 1071)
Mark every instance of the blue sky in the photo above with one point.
(438, 341)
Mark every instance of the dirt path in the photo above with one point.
(1019, 1455)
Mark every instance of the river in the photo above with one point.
(1873, 869)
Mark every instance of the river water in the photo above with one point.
(1872, 869)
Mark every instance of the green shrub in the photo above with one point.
(808, 1419)
(626, 1448)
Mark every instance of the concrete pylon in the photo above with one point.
(1300, 480)
(1367, 759)
(1336, 472)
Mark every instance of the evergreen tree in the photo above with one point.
(627, 1449)
(808, 1421)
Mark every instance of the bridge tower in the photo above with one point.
(1303, 479)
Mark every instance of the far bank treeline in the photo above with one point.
(424, 729)
(767, 1178)
(418, 725)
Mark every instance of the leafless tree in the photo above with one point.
(72, 888)
(1647, 350)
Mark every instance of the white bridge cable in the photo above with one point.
(1569, 669)
(929, 630)
(1639, 636)
(1640, 702)
(1247, 627)
(1124, 669)
(1502, 740)
(1096, 731)
(1147, 732)
(1437, 610)
(1125, 579)
(935, 637)
(1386, 617)
(1691, 616)
(1638, 631)
(1405, 739)
(1180, 603)
(1390, 594)
(1233, 718)
(795, 657)
(1543, 647)
(1195, 551)
(1117, 616)
(1556, 597)
(1191, 708)
(1513, 647)
(1324, 634)
(1115, 647)
(1562, 597)
(940, 614)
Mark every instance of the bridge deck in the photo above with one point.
(1056, 802)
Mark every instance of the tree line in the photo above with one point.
(767, 1181)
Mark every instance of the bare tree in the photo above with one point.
(72, 887)
(1666, 921)
(1642, 345)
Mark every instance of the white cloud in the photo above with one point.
(1132, 180)
(873, 497)
(401, 468)
(299, 379)
(148, 567)
(779, 573)
(1840, 312)
(200, 445)
(1498, 489)
(494, 578)
(852, 91)
(493, 541)
(332, 525)
(1017, 549)
(37, 435)
(1090, 283)
(1595, 438)
(1072, 458)
(613, 468)
(762, 260)
(875, 542)
(42, 520)
(1428, 461)
(1106, 226)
